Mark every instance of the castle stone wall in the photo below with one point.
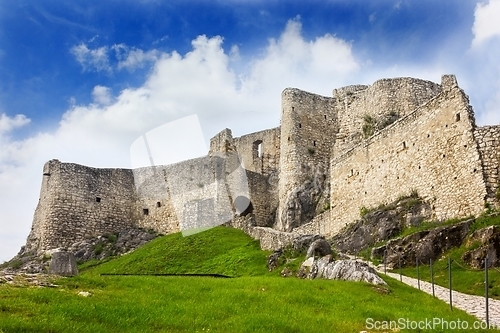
(308, 130)
(260, 151)
(432, 151)
(488, 140)
(398, 96)
(78, 202)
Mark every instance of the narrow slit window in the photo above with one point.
(404, 144)
(293, 108)
(314, 143)
(145, 211)
(97, 199)
(158, 204)
(457, 117)
(325, 116)
(300, 125)
(259, 150)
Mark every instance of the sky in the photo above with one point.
(80, 81)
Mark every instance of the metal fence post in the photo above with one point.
(432, 279)
(486, 287)
(385, 262)
(418, 275)
(399, 262)
(450, 284)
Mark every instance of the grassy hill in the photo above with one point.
(256, 301)
(220, 250)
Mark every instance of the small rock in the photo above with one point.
(84, 294)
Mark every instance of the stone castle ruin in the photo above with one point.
(331, 156)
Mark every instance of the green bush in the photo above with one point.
(16, 264)
(98, 249)
(363, 211)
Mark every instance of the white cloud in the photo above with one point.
(102, 95)
(200, 82)
(8, 124)
(96, 59)
(486, 23)
(290, 60)
(132, 58)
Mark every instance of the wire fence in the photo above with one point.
(449, 271)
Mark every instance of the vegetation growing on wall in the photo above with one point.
(372, 124)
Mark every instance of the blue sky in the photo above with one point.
(80, 81)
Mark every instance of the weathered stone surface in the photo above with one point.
(424, 245)
(381, 225)
(488, 242)
(63, 263)
(320, 248)
(303, 242)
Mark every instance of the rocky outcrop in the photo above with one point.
(424, 245)
(484, 242)
(100, 247)
(348, 270)
(320, 248)
(382, 224)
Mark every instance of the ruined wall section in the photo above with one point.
(432, 151)
(385, 99)
(260, 151)
(77, 202)
(308, 130)
(488, 141)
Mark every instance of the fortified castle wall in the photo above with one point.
(78, 201)
(362, 147)
(432, 151)
(308, 130)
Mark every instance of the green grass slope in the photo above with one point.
(255, 302)
(220, 250)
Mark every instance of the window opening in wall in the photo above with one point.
(428, 135)
(97, 199)
(300, 125)
(314, 143)
(419, 167)
(257, 149)
(158, 204)
(288, 138)
(444, 155)
(293, 108)
(457, 117)
(145, 211)
(404, 144)
(446, 126)
(475, 170)
(325, 116)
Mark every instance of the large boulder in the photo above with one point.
(63, 263)
(487, 243)
(348, 270)
(352, 270)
